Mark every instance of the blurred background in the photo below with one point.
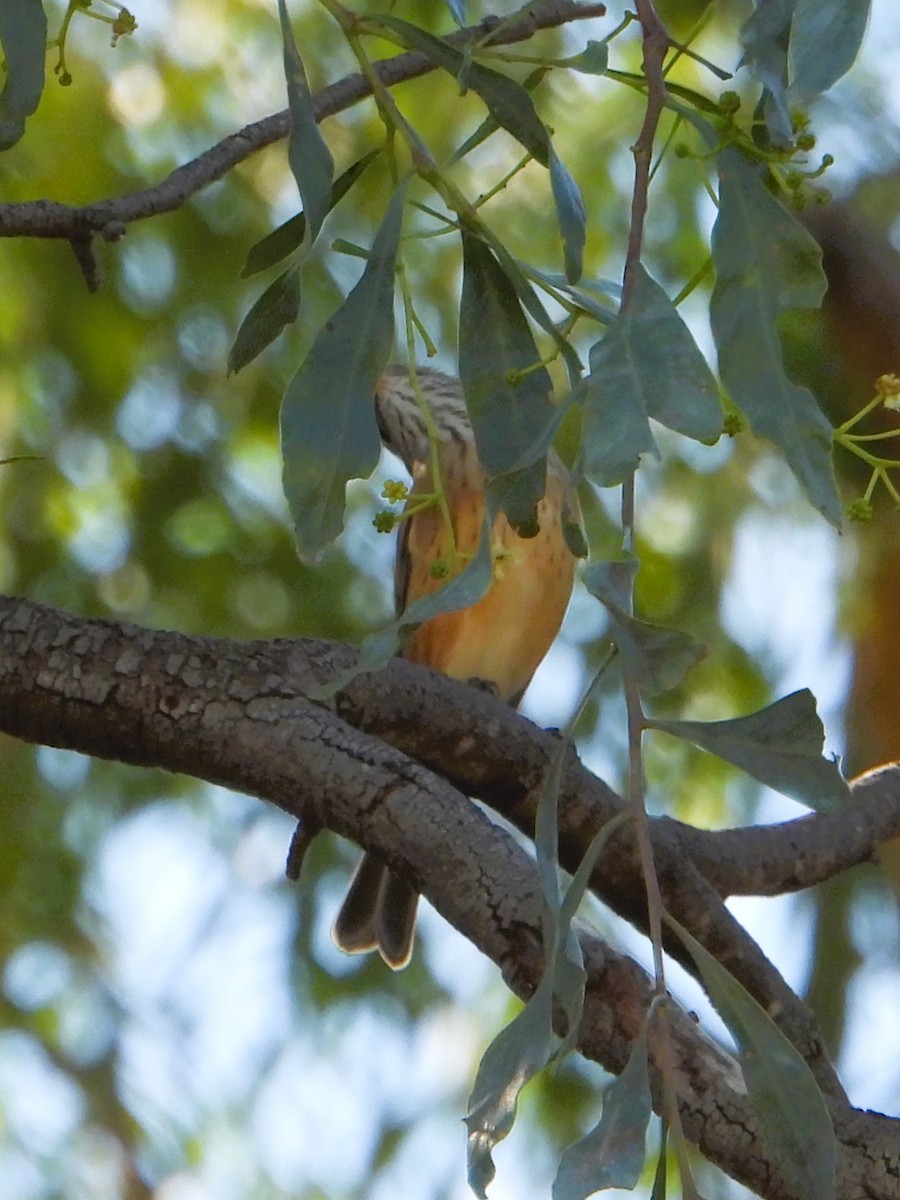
(174, 1021)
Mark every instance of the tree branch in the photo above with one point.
(109, 218)
(468, 738)
(235, 714)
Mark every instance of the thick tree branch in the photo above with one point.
(235, 714)
(109, 218)
(171, 701)
(155, 714)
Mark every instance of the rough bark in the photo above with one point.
(391, 762)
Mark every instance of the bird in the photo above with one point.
(501, 639)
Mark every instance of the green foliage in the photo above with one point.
(277, 307)
(612, 1154)
(156, 496)
(781, 746)
(767, 263)
(508, 393)
(328, 430)
(290, 235)
(646, 365)
(659, 658)
(529, 1042)
(23, 34)
(309, 157)
(788, 1104)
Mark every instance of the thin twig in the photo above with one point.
(108, 218)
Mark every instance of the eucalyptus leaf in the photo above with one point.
(23, 37)
(529, 1043)
(461, 591)
(507, 101)
(528, 298)
(825, 39)
(570, 214)
(592, 296)
(663, 363)
(328, 430)
(511, 106)
(309, 158)
(795, 1123)
(508, 397)
(647, 364)
(457, 11)
(290, 234)
(516, 1054)
(612, 1155)
(781, 746)
(593, 59)
(765, 38)
(659, 657)
(272, 311)
(767, 263)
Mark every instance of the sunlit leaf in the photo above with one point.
(593, 59)
(273, 310)
(23, 38)
(825, 39)
(328, 429)
(613, 1153)
(308, 156)
(781, 746)
(767, 263)
(659, 657)
(792, 1115)
(289, 236)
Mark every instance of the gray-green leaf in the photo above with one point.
(506, 99)
(512, 108)
(647, 364)
(781, 746)
(795, 1124)
(272, 311)
(593, 59)
(290, 234)
(328, 430)
(309, 158)
(612, 1155)
(462, 591)
(659, 657)
(766, 263)
(23, 37)
(508, 399)
(570, 214)
(519, 1051)
(765, 40)
(825, 39)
